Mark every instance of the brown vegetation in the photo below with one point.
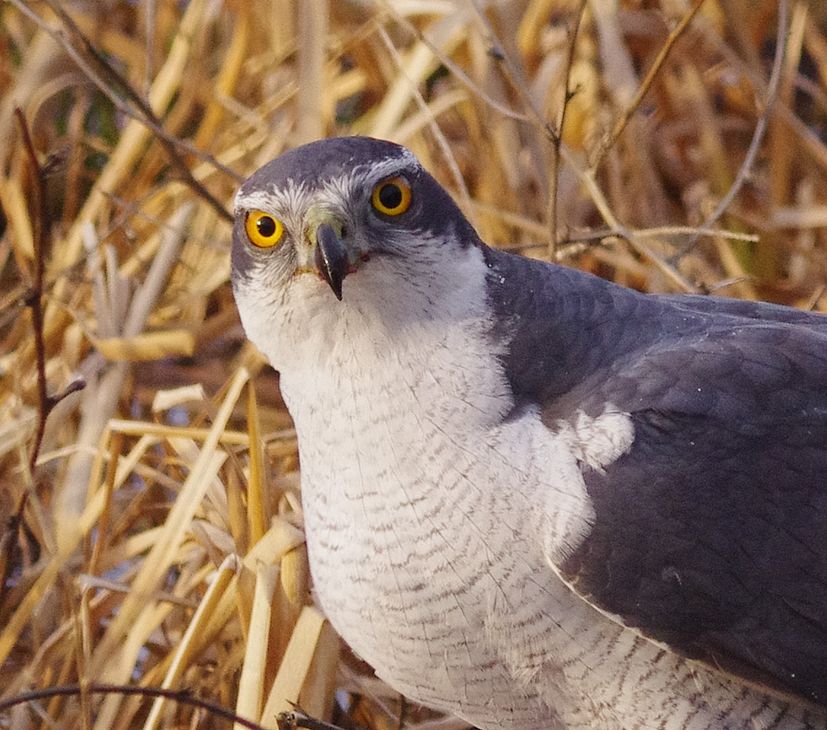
(153, 529)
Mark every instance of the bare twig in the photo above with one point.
(557, 142)
(81, 50)
(147, 116)
(644, 87)
(724, 283)
(641, 247)
(41, 228)
(757, 136)
(663, 231)
(456, 71)
(761, 125)
(514, 74)
(182, 696)
(586, 177)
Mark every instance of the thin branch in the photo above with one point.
(514, 74)
(41, 226)
(761, 126)
(745, 169)
(724, 283)
(79, 48)
(575, 245)
(662, 231)
(587, 178)
(558, 140)
(644, 87)
(41, 229)
(148, 116)
(456, 71)
(181, 696)
(641, 247)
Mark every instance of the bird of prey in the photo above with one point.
(533, 498)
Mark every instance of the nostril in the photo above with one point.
(344, 232)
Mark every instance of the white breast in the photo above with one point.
(432, 520)
(424, 514)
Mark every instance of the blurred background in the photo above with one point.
(152, 532)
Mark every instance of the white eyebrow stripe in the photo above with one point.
(292, 199)
(384, 168)
(288, 198)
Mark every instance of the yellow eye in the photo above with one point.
(263, 230)
(392, 196)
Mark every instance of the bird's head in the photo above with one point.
(342, 225)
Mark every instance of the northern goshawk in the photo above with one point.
(533, 498)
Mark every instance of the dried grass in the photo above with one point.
(156, 541)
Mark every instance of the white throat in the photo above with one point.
(415, 346)
(393, 324)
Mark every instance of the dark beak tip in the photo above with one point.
(331, 258)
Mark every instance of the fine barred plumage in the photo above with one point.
(533, 498)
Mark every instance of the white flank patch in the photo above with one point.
(549, 463)
(600, 441)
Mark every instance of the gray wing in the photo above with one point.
(710, 534)
(711, 537)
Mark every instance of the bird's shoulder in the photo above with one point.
(574, 342)
(710, 531)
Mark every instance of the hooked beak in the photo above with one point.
(331, 258)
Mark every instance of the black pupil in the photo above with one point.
(390, 195)
(266, 226)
